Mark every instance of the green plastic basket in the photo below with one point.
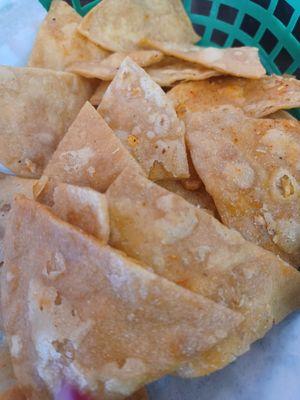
(271, 25)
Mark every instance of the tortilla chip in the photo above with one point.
(97, 97)
(58, 43)
(143, 118)
(251, 169)
(199, 198)
(191, 248)
(107, 69)
(37, 107)
(83, 207)
(237, 61)
(101, 320)
(8, 385)
(142, 394)
(118, 25)
(281, 114)
(256, 98)
(88, 155)
(9, 187)
(171, 70)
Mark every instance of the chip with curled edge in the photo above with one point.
(256, 97)
(242, 61)
(251, 169)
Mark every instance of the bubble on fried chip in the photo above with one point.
(58, 43)
(238, 61)
(251, 169)
(83, 207)
(145, 121)
(118, 25)
(188, 246)
(37, 107)
(99, 309)
(256, 97)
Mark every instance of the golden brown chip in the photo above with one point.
(101, 320)
(139, 395)
(256, 97)
(88, 155)
(83, 207)
(9, 187)
(188, 246)
(171, 70)
(58, 43)
(118, 25)
(97, 97)
(37, 107)
(199, 197)
(251, 169)
(238, 61)
(107, 68)
(143, 118)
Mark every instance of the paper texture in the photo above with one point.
(271, 369)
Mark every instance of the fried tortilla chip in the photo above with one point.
(281, 114)
(139, 395)
(9, 187)
(251, 169)
(58, 43)
(188, 246)
(171, 70)
(88, 155)
(83, 207)
(256, 97)
(238, 61)
(143, 118)
(97, 97)
(199, 197)
(37, 107)
(118, 25)
(107, 69)
(8, 385)
(77, 310)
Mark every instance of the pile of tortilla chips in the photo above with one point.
(153, 225)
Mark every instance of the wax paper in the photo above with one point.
(271, 369)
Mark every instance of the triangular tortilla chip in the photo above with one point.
(103, 321)
(238, 61)
(88, 155)
(143, 118)
(9, 187)
(171, 70)
(199, 197)
(256, 97)
(58, 43)
(107, 68)
(37, 107)
(118, 25)
(251, 169)
(281, 114)
(83, 207)
(97, 97)
(188, 246)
